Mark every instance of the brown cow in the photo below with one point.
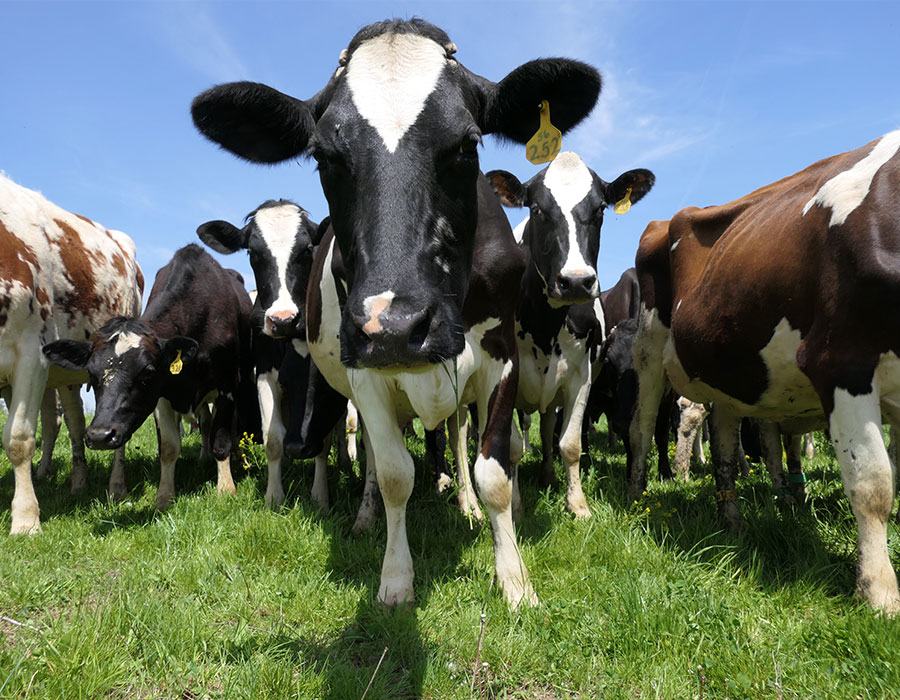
(782, 305)
(61, 277)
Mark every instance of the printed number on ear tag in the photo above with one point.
(546, 143)
(624, 204)
(177, 365)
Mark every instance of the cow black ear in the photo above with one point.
(507, 187)
(639, 181)
(69, 354)
(513, 105)
(319, 231)
(254, 121)
(222, 236)
(188, 347)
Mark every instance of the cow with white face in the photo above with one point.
(559, 318)
(280, 238)
(432, 269)
(61, 277)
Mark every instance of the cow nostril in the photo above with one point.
(420, 332)
(563, 283)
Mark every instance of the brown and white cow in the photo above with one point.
(61, 277)
(782, 305)
(431, 264)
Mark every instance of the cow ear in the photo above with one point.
(513, 105)
(68, 354)
(254, 121)
(319, 231)
(507, 187)
(222, 236)
(171, 347)
(639, 181)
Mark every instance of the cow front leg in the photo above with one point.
(368, 507)
(570, 446)
(319, 490)
(794, 448)
(689, 428)
(493, 476)
(73, 412)
(117, 486)
(727, 457)
(770, 444)
(169, 434)
(516, 452)
(50, 420)
(222, 440)
(868, 476)
(18, 441)
(547, 430)
(269, 391)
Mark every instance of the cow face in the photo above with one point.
(279, 238)
(395, 134)
(128, 366)
(567, 201)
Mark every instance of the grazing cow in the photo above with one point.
(431, 265)
(782, 305)
(189, 348)
(279, 237)
(61, 276)
(559, 320)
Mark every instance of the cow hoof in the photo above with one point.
(730, 516)
(26, 528)
(397, 595)
(227, 489)
(579, 510)
(515, 595)
(444, 482)
(274, 498)
(117, 492)
(163, 501)
(79, 484)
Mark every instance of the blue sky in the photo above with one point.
(716, 98)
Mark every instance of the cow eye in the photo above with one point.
(535, 209)
(146, 374)
(469, 145)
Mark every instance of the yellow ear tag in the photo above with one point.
(624, 204)
(545, 144)
(177, 365)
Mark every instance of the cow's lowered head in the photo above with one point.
(567, 201)
(128, 366)
(395, 133)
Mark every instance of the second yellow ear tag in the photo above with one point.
(177, 365)
(624, 204)
(545, 144)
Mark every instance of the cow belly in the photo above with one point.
(789, 394)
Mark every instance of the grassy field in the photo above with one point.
(220, 598)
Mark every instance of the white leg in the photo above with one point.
(18, 441)
(167, 424)
(269, 392)
(50, 420)
(73, 410)
(770, 442)
(570, 444)
(352, 428)
(516, 452)
(458, 434)
(526, 430)
(868, 476)
(368, 508)
(692, 417)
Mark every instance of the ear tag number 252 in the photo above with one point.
(545, 144)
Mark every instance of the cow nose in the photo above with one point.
(279, 322)
(577, 285)
(407, 330)
(101, 438)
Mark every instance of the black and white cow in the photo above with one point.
(432, 268)
(559, 317)
(190, 347)
(279, 238)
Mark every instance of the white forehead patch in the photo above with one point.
(278, 227)
(126, 341)
(569, 181)
(390, 79)
(846, 191)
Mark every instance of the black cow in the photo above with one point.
(191, 346)
(432, 267)
(559, 318)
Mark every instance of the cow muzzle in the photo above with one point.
(283, 324)
(104, 437)
(577, 287)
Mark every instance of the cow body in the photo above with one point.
(395, 133)
(190, 348)
(61, 276)
(559, 318)
(780, 306)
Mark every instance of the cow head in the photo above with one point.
(279, 238)
(567, 201)
(128, 366)
(395, 133)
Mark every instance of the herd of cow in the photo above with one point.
(415, 297)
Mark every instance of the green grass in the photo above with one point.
(220, 598)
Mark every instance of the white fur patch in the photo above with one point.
(278, 227)
(126, 341)
(845, 192)
(569, 181)
(390, 79)
(519, 231)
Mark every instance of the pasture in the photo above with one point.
(219, 597)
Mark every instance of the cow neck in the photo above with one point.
(534, 313)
